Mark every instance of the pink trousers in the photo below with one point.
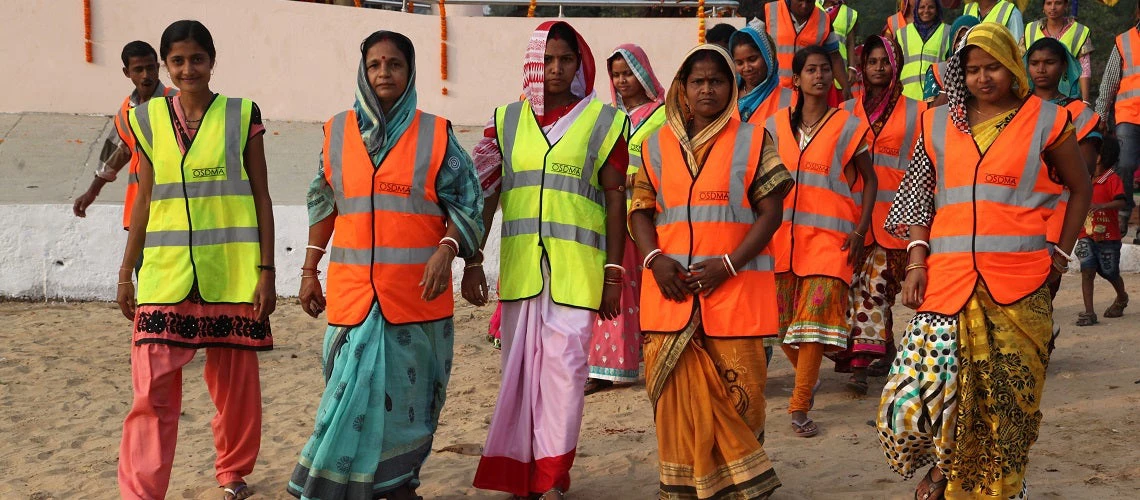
(150, 431)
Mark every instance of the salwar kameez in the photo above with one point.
(874, 288)
(615, 344)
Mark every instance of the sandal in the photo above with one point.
(236, 491)
(1086, 319)
(805, 428)
(859, 386)
(879, 368)
(1116, 310)
(932, 487)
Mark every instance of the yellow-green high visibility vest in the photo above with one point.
(1000, 13)
(1074, 38)
(203, 223)
(553, 204)
(918, 56)
(639, 134)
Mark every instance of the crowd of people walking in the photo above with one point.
(786, 187)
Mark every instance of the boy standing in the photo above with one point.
(140, 65)
(1099, 247)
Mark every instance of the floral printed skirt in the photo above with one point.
(195, 323)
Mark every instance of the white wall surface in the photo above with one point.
(297, 60)
(49, 253)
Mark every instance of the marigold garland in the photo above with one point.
(700, 21)
(358, 3)
(443, 44)
(530, 10)
(87, 30)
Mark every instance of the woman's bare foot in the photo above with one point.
(933, 485)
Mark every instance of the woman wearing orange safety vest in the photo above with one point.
(795, 24)
(704, 208)
(203, 218)
(823, 230)
(965, 389)
(893, 119)
(758, 80)
(400, 200)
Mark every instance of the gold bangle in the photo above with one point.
(121, 283)
(473, 265)
(911, 267)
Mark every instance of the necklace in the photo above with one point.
(808, 128)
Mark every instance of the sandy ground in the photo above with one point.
(65, 388)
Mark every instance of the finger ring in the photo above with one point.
(699, 285)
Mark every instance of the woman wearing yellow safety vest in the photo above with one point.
(203, 221)
(615, 345)
(923, 43)
(997, 11)
(1073, 35)
(557, 161)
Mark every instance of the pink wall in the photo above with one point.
(297, 60)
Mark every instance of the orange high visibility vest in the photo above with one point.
(1127, 109)
(388, 222)
(891, 152)
(123, 128)
(705, 218)
(780, 98)
(1086, 121)
(896, 22)
(990, 209)
(819, 212)
(783, 32)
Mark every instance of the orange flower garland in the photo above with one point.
(443, 44)
(530, 10)
(700, 21)
(87, 30)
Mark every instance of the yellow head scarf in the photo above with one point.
(678, 114)
(997, 41)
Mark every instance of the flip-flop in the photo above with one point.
(879, 368)
(596, 385)
(805, 429)
(859, 386)
(1116, 310)
(235, 492)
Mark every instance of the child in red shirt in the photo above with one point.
(1099, 246)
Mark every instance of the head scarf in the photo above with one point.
(1069, 86)
(534, 69)
(832, 11)
(879, 108)
(927, 29)
(996, 40)
(755, 97)
(638, 62)
(962, 23)
(380, 130)
(679, 116)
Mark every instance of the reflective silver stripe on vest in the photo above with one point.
(142, 116)
(569, 232)
(415, 202)
(511, 116)
(202, 237)
(970, 243)
(703, 213)
(1003, 14)
(759, 263)
(906, 150)
(1128, 95)
(819, 221)
(938, 140)
(1083, 119)
(882, 196)
(741, 146)
(573, 185)
(201, 189)
(1064, 198)
(653, 145)
(1127, 69)
(381, 255)
(233, 134)
(1022, 194)
(336, 155)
